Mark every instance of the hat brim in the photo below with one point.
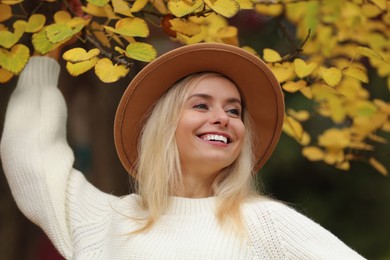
(255, 81)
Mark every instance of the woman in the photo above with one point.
(184, 130)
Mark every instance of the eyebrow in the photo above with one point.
(208, 97)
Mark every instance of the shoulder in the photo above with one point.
(292, 232)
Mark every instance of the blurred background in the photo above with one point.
(354, 204)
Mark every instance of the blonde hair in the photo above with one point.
(159, 171)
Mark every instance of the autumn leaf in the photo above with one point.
(292, 86)
(5, 12)
(332, 76)
(185, 27)
(5, 75)
(78, 68)
(313, 153)
(9, 39)
(269, 9)
(139, 51)
(301, 115)
(378, 166)
(335, 138)
(302, 69)
(135, 27)
(80, 54)
(41, 43)
(282, 71)
(108, 72)
(271, 56)
(180, 8)
(99, 3)
(357, 73)
(35, 23)
(226, 8)
(15, 59)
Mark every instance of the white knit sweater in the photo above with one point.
(85, 223)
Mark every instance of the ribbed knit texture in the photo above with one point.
(85, 223)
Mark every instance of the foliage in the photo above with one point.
(338, 48)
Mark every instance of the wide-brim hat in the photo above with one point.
(256, 83)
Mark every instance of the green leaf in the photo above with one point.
(139, 51)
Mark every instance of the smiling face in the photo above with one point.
(210, 131)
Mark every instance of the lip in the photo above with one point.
(229, 138)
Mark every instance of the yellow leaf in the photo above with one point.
(62, 17)
(9, 39)
(245, 4)
(250, 50)
(334, 156)
(193, 39)
(35, 23)
(270, 55)
(270, 10)
(380, 3)
(160, 6)
(5, 12)
(99, 3)
(94, 10)
(371, 10)
(345, 166)
(80, 54)
(14, 60)
(370, 53)
(5, 75)
(301, 115)
(292, 86)
(180, 8)
(139, 51)
(335, 138)
(108, 73)
(357, 73)
(292, 127)
(42, 44)
(58, 32)
(11, 2)
(377, 138)
(307, 92)
(378, 166)
(135, 27)
(121, 7)
(185, 27)
(302, 69)
(138, 5)
(386, 126)
(226, 8)
(313, 153)
(332, 76)
(282, 71)
(78, 68)
(97, 30)
(227, 32)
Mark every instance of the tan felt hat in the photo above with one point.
(261, 92)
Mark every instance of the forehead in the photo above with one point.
(216, 86)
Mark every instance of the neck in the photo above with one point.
(196, 184)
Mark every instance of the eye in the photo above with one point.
(234, 111)
(201, 106)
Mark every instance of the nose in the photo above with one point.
(220, 117)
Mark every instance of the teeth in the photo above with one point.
(215, 138)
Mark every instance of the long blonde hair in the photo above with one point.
(158, 169)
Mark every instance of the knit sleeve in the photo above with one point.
(301, 238)
(36, 158)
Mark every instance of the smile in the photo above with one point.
(217, 138)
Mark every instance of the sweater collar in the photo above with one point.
(191, 206)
